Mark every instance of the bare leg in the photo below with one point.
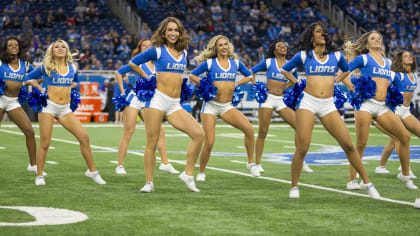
(152, 122)
(184, 122)
(305, 121)
(73, 125)
(129, 126)
(264, 118)
(22, 121)
(161, 146)
(45, 121)
(363, 120)
(336, 127)
(239, 121)
(208, 121)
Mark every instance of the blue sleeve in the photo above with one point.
(30, 69)
(148, 55)
(295, 73)
(200, 69)
(397, 82)
(356, 63)
(244, 70)
(342, 64)
(262, 66)
(36, 74)
(117, 90)
(124, 69)
(294, 62)
(76, 77)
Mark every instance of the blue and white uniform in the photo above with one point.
(18, 75)
(164, 62)
(218, 73)
(56, 80)
(270, 65)
(314, 67)
(370, 67)
(131, 97)
(408, 87)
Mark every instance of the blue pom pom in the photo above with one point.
(364, 89)
(37, 100)
(186, 91)
(205, 90)
(238, 94)
(260, 92)
(120, 102)
(145, 88)
(394, 98)
(339, 98)
(75, 99)
(292, 97)
(23, 95)
(2, 87)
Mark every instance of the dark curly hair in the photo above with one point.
(305, 42)
(397, 65)
(23, 49)
(272, 47)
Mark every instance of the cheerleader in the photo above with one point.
(221, 64)
(135, 107)
(367, 54)
(321, 61)
(13, 69)
(404, 64)
(276, 83)
(60, 75)
(170, 57)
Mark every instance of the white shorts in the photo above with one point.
(164, 103)
(374, 107)
(319, 106)
(9, 103)
(274, 102)
(216, 108)
(402, 111)
(134, 101)
(57, 110)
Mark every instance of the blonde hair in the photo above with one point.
(49, 61)
(352, 50)
(211, 52)
(158, 38)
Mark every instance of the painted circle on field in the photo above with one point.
(46, 216)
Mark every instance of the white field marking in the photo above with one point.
(240, 147)
(2, 147)
(289, 146)
(73, 142)
(114, 162)
(46, 216)
(306, 185)
(245, 174)
(51, 148)
(52, 162)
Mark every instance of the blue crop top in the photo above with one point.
(273, 71)
(217, 73)
(406, 83)
(126, 68)
(8, 73)
(369, 67)
(56, 79)
(313, 66)
(164, 61)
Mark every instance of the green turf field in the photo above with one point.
(231, 202)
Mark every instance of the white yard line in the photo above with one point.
(236, 172)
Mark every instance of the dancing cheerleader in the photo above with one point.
(221, 65)
(367, 55)
(135, 106)
(60, 75)
(13, 69)
(170, 57)
(321, 61)
(404, 64)
(276, 83)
